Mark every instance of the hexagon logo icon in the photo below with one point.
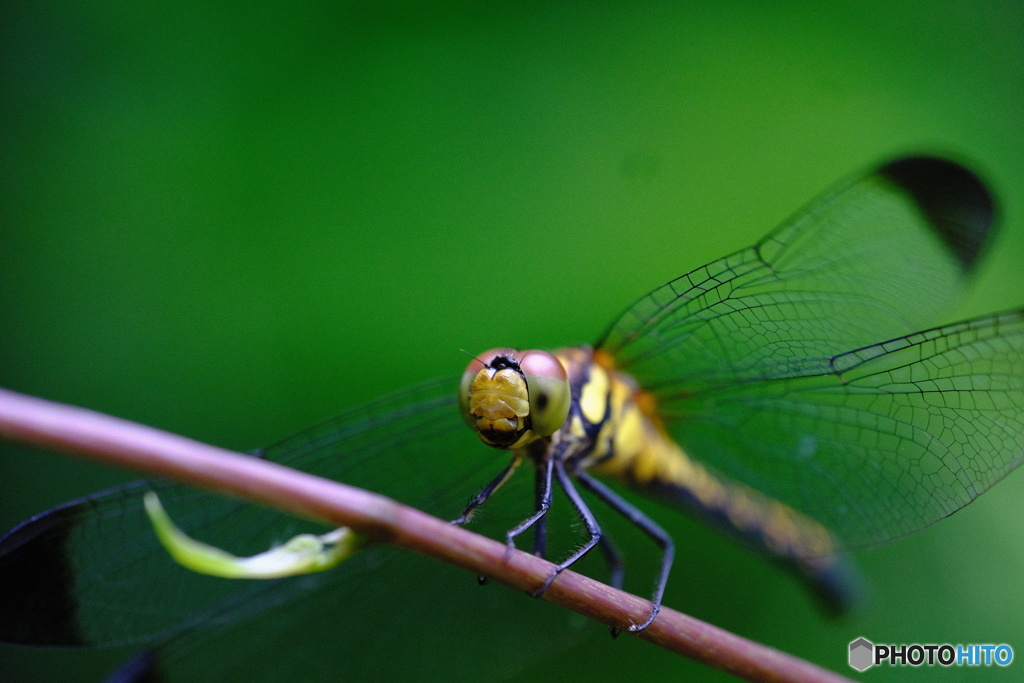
(862, 654)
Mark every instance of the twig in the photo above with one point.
(155, 452)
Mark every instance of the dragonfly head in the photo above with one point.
(511, 398)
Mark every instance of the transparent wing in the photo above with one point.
(373, 622)
(891, 438)
(879, 257)
(749, 357)
(91, 572)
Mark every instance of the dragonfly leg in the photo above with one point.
(543, 496)
(593, 529)
(487, 491)
(645, 524)
(540, 529)
(616, 573)
(613, 559)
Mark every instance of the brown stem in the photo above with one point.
(155, 452)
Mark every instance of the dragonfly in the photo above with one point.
(785, 394)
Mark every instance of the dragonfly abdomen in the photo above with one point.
(634, 449)
(777, 531)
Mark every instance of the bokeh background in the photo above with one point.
(231, 221)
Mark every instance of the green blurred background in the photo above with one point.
(231, 221)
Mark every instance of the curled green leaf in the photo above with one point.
(303, 554)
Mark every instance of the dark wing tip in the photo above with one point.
(953, 198)
(37, 590)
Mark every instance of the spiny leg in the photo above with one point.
(613, 559)
(645, 524)
(540, 529)
(616, 572)
(487, 491)
(543, 498)
(593, 529)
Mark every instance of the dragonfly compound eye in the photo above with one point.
(549, 391)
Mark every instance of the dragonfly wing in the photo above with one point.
(91, 572)
(876, 258)
(373, 622)
(894, 437)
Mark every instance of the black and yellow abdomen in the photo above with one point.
(634, 448)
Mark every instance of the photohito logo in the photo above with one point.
(864, 654)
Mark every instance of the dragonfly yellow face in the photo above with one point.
(781, 393)
(511, 399)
